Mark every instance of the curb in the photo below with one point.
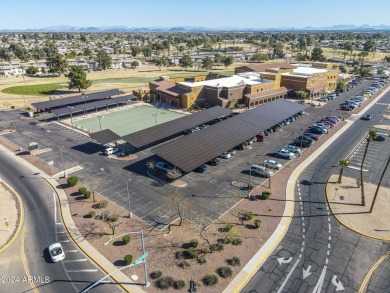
(342, 223)
(20, 216)
(248, 271)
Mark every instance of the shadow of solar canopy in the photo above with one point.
(105, 136)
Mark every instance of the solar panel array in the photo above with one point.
(76, 99)
(92, 105)
(105, 136)
(191, 151)
(164, 130)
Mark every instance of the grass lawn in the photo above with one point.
(34, 90)
(129, 120)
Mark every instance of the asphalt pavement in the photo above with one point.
(42, 227)
(318, 254)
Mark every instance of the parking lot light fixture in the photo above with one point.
(100, 122)
(71, 115)
(128, 197)
(155, 117)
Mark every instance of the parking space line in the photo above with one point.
(74, 250)
(64, 241)
(105, 189)
(142, 206)
(150, 212)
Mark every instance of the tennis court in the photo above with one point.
(129, 120)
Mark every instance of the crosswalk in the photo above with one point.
(383, 104)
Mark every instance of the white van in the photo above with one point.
(261, 171)
(110, 151)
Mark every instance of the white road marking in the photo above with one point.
(75, 260)
(330, 238)
(329, 228)
(74, 250)
(328, 252)
(64, 241)
(82, 271)
(318, 287)
(328, 245)
(288, 276)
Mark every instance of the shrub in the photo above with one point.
(248, 216)
(217, 247)
(265, 195)
(87, 194)
(194, 243)
(128, 259)
(179, 284)
(191, 253)
(224, 272)
(237, 241)
(228, 227)
(210, 280)
(102, 204)
(257, 223)
(165, 282)
(82, 190)
(234, 261)
(202, 260)
(114, 217)
(228, 239)
(72, 181)
(156, 274)
(12, 107)
(184, 264)
(180, 254)
(105, 215)
(126, 239)
(92, 214)
(251, 186)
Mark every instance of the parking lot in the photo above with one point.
(212, 192)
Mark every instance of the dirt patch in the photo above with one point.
(345, 201)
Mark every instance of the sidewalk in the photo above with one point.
(10, 213)
(90, 251)
(266, 250)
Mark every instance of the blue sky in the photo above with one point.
(21, 14)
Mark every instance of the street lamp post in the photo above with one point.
(62, 160)
(155, 117)
(250, 178)
(71, 115)
(100, 122)
(128, 197)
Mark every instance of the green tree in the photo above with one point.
(50, 49)
(57, 64)
(342, 69)
(227, 61)
(31, 70)
(87, 52)
(207, 63)
(103, 59)
(218, 58)
(341, 86)
(301, 94)
(186, 61)
(134, 64)
(135, 50)
(78, 78)
(343, 164)
(365, 71)
(380, 72)
(259, 57)
(372, 134)
(162, 61)
(317, 54)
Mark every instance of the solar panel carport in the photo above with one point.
(93, 105)
(156, 133)
(105, 136)
(191, 151)
(76, 100)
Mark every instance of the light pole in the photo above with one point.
(71, 115)
(62, 160)
(100, 122)
(250, 178)
(155, 117)
(128, 197)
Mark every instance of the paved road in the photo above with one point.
(42, 227)
(317, 254)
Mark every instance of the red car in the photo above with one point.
(260, 137)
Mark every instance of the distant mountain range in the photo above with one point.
(125, 29)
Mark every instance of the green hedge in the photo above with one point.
(128, 259)
(126, 239)
(72, 181)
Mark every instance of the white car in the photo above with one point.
(56, 252)
(225, 155)
(272, 164)
(283, 153)
(165, 167)
(110, 151)
(293, 149)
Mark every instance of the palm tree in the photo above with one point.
(343, 164)
(371, 135)
(379, 185)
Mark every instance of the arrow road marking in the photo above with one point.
(282, 260)
(338, 284)
(288, 275)
(306, 272)
(318, 287)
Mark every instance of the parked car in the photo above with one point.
(272, 164)
(201, 169)
(111, 151)
(317, 130)
(379, 138)
(56, 252)
(312, 136)
(326, 127)
(301, 143)
(261, 171)
(164, 167)
(260, 137)
(367, 117)
(232, 152)
(225, 155)
(305, 138)
(293, 149)
(213, 162)
(283, 153)
(240, 147)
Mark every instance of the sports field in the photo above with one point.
(129, 120)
